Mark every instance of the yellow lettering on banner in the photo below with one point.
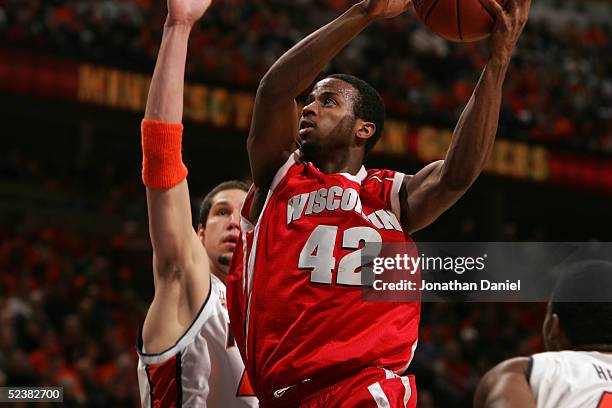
(122, 89)
(134, 92)
(219, 107)
(196, 102)
(539, 164)
(501, 152)
(244, 109)
(427, 146)
(520, 161)
(393, 141)
(432, 143)
(91, 82)
(112, 87)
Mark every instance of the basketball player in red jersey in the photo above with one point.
(305, 334)
(187, 355)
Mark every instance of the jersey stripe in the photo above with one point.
(379, 395)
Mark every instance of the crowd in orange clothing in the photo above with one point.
(559, 89)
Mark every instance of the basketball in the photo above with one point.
(457, 20)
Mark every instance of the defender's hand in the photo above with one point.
(510, 19)
(186, 12)
(385, 8)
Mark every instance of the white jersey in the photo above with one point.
(203, 368)
(572, 379)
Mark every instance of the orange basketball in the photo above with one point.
(457, 20)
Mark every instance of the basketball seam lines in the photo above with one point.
(489, 12)
(433, 5)
(458, 11)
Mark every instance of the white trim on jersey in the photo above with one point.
(398, 180)
(357, 178)
(193, 330)
(379, 395)
(407, 389)
(250, 269)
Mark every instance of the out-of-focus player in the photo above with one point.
(187, 352)
(576, 372)
(294, 291)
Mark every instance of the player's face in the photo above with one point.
(222, 227)
(328, 121)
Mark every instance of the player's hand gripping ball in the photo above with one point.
(457, 20)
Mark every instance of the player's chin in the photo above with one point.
(225, 258)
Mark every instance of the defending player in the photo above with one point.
(307, 337)
(186, 350)
(576, 372)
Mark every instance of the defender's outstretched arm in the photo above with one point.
(439, 185)
(180, 265)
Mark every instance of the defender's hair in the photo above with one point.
(582, 299)
(207, 200)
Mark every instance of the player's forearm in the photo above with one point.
(168, 202)
(475, 132)
(165, 100)
(299, 66)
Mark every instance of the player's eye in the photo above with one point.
(330, 101)
(223, 212)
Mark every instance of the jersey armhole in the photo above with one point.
(529, 369)
(246, 224)
(186, 338)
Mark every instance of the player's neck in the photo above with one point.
(222, 275)
(346, 161)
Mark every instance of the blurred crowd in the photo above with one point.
(559, 88)
(69, 308)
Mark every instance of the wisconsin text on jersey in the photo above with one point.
(337, 198)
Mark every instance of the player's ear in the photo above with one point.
(364, 130)
(201, 231)
(556, 336)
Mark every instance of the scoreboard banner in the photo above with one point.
(56, 78)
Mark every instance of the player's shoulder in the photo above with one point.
(519, 365)
(380, 175)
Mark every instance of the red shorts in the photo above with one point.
(372, 387)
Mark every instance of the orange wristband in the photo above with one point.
(162, 162)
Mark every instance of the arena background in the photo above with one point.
(75, 260)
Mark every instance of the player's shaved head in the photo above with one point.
(585, 324)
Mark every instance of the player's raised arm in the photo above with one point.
(274, 128)
(506, 386)
(439, 185)
(180, 263)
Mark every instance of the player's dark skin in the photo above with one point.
(507, 386)
(334, 140)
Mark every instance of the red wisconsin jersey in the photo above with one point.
(294, 290)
